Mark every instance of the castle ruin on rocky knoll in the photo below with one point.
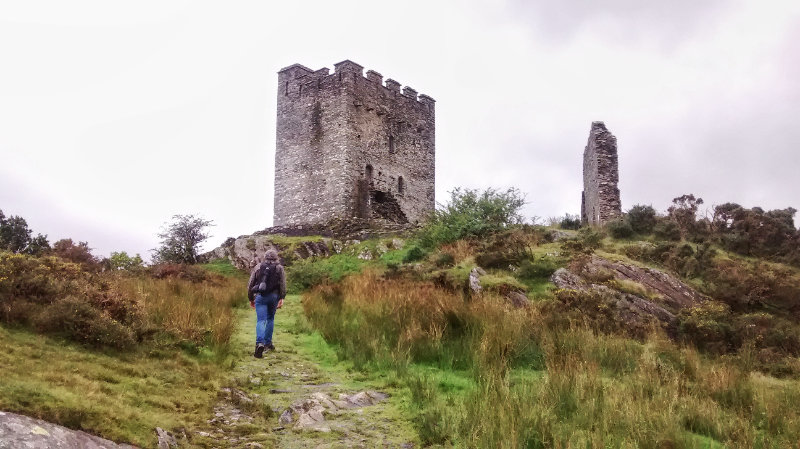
(600, 201)
(352, 146)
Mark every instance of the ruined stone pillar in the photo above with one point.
(600, 201)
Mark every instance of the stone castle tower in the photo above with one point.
(600, 201)
(350, 146)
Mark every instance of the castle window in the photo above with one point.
(286, 89)
(401, 185)
(391, 144)
(368, 174)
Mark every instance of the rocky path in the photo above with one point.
(300, 397)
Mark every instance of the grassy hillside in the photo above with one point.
(116, 354)
(485, 374)
(556, 373)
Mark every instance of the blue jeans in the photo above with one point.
(266, 305)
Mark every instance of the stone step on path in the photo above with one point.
(291, 399)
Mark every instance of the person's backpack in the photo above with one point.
(268, 279)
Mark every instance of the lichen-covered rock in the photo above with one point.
(18, 431)
(636, 294)
(517, 299)
(475, 279)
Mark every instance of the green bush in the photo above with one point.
(414, 254)
(667, 230)
(570, 222)
(587, 242)
(537, 268)
(619, 229)
(306, 273)
(641, 218)
(472, 213)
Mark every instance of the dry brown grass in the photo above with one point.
(595, 390)
(197, 312)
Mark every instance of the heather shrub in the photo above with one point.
(76, 319)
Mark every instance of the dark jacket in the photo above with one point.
(254, 280)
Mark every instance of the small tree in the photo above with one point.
(181, 239)
(38, 245)
(122, 261)
(684, 212)
(14, 233)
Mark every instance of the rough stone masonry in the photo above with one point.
(352, 146)
(600, 201)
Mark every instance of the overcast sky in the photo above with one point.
(116, 115)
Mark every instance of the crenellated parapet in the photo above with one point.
(297, 80)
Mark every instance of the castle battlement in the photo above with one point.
(298, 80)
(352, 145)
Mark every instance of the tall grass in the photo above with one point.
(542, 380)
(197, 312)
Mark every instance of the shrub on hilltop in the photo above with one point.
(472, 213)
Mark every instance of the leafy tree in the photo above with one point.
(641, 218)
(754, 232)
(181, 239)
(122, 261)
(473, 213)
(684, 212)
(38, 245)
(14, 233)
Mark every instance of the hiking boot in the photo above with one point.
(259, 352)
(270, 346)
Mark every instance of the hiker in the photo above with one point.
(266, 290)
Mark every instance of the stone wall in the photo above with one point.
(352, 146)
(600, 201)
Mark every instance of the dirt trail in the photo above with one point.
(300, 397)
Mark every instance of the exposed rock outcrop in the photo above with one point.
(331, 238)
(17, 431)
(635, 294)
